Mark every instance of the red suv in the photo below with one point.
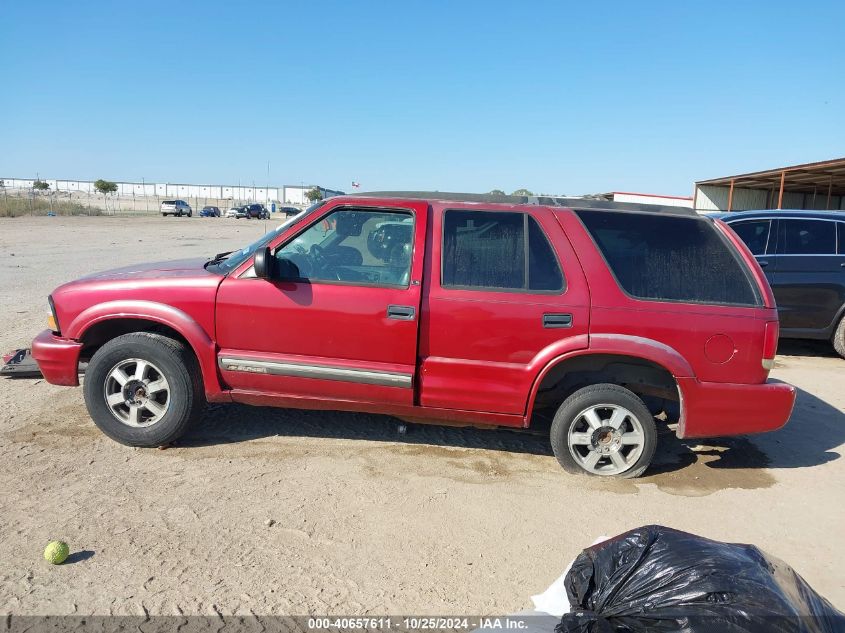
(473, 312)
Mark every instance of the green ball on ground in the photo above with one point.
(56, 552)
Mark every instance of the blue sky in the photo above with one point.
(558, 97)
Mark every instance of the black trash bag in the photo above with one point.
(658, 579)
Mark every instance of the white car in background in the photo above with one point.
(176, 207)
(236, 212)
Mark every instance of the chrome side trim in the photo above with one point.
(320, 372)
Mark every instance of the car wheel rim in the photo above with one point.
(606, 439)
(136, 392)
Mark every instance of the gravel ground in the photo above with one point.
(291, 512)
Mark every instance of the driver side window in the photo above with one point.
(351, 246)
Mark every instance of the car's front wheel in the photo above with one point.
(604, 430)
(143, 389)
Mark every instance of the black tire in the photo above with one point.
(190, 214)
(569, 414)
(176, 363)
(839, 338)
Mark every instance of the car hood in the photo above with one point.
(153, 270)
(183, 284)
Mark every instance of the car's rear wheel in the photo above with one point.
(604, 430)
(839, 338)
(143, 389)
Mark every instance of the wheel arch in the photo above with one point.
(103, 322)
(837, 319)
(647, 367)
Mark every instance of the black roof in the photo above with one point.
(780, 213)
(550, 201)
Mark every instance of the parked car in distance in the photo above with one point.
(289, 211)
(175, 207)
(210, 212)
(803, 256)
(236, 212)
(430, 308)
(258, 211)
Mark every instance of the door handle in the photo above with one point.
(402, 313)
(842, 264)
(763, 264)
(557, 320)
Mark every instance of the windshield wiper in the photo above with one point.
(218, 258)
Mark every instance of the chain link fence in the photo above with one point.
(28, 201)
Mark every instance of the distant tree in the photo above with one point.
(40, 185)
(497, 192)
(522, 192)
(105, 187)
(314, 194)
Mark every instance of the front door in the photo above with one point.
(760, 238)
(338, 319)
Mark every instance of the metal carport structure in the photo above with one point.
(819, 186)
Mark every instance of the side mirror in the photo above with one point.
(287, 270)
(263, 262)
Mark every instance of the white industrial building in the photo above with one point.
(284, 194)
(645, 198)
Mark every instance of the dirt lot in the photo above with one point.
(440, 520)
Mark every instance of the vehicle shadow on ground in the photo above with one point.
(225, 424)
(806, 347)
(814, 433)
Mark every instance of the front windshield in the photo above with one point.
(236, 258)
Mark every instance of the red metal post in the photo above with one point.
(731, 196)
(829, 187)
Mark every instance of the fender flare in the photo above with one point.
(203, 346)
(618, 345)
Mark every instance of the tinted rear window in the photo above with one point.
(671, 258)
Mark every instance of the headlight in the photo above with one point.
(52, 321)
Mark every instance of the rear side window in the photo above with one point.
(807, 237)
(498, 251)
(755, 234)
(670, 258)
(841, 237)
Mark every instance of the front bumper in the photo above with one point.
(57, 358)
(712, 409)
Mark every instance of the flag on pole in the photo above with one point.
(355, 185)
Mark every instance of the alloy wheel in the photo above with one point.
(136, 392)
(606, 439)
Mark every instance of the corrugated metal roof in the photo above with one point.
(823, 176)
